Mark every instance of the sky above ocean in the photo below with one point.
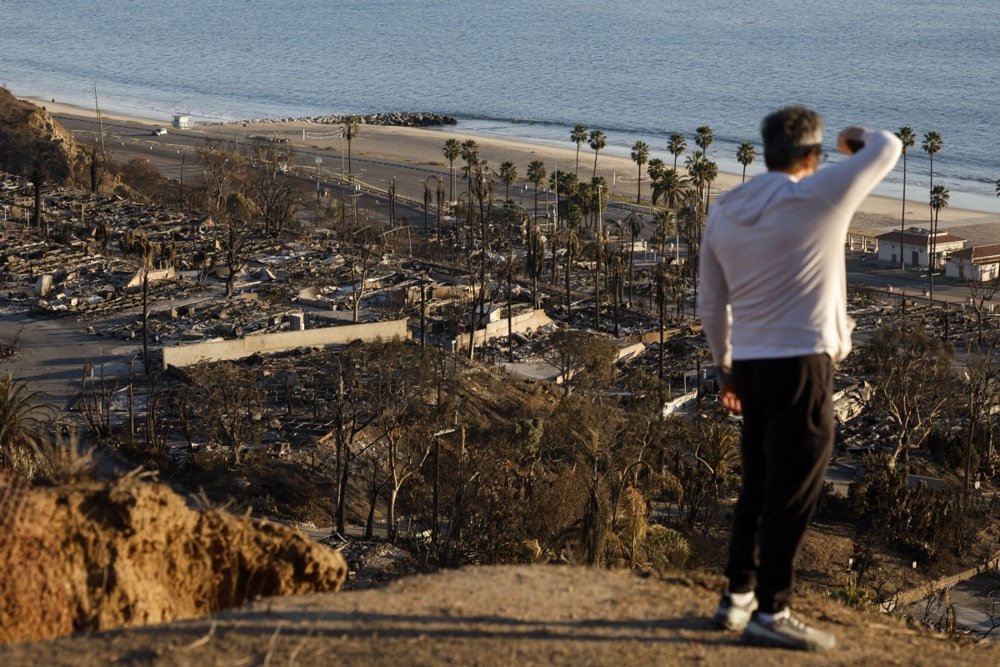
(637, 70)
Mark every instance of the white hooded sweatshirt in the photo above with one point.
(772, 277)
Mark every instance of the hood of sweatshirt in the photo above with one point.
(746, 203)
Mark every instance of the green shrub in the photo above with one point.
(665, 548)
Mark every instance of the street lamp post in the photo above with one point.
(318, 160)
(440, 203)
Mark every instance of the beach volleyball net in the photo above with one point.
(321, 135)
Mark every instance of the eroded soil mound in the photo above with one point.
(94, 556)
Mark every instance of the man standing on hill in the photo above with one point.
(773, 304)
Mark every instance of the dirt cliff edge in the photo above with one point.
(516, 615)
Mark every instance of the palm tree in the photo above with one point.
(745, 153)
(536, 174)
(352, 126)
(932, 144)
(672, 187)
(508, 174)
(22, 424)
(669, 185)
(469, 151)
(597, 142)
(703, 137)
(640, 155)
(633, 222)
(452, 149)
(661, 278)
(695, 165)
(535, 259)
(572, 250)
(655, 170)
(998, 188)
(908, 137)
(676, 144)
(939, 200)
(578, 135)
(663, 227)
(710, 173)
(702, 172)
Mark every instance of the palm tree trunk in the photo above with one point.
(902, 219)
(342, 496)
(932, 182)
(451, 180)
(631, 276)
(569, 302)
(145, 318)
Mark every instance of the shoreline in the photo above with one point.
(423, 146)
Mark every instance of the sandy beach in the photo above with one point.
(423, 147)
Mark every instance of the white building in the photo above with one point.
(978, 263)
(182, 121)
(914, 245)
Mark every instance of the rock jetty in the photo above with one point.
(393, 119)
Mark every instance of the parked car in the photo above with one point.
(160, 131)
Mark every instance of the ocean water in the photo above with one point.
(637, 70)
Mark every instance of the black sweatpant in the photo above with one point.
(788, 431)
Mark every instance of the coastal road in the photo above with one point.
(175, 156)
(174, 153)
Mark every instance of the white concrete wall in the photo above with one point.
(155, 276)
(962, 269)
(187, 355)
(521, 323)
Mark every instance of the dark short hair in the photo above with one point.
(785, 134)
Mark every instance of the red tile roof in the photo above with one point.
(920, 238)
(980, 254)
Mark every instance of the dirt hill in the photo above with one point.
(94, 555)
(527, 615)
(31, 140)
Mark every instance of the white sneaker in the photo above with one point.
(731, 616)
(787, 632)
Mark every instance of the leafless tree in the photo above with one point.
(230, 403)
(402, 379)
(982, 376)
(352, 409)
(236, 234)
(273, 193)
(364, 254)
(137, 245)
(981, 295)
(913, 383)
(223, 172)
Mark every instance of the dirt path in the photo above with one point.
(527, 615)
